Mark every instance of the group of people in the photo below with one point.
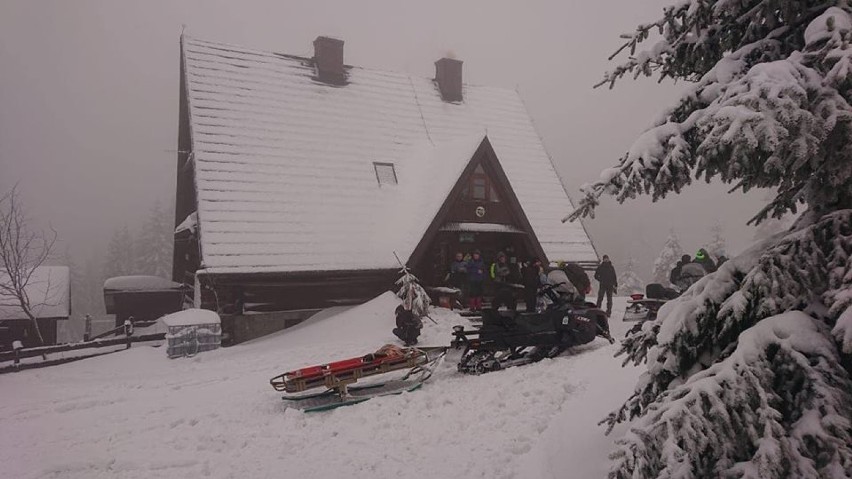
(688, 270)
(469, 274)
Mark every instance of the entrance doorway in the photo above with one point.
(436, 264)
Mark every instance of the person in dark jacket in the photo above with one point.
(703, 258)
(500, 273)
(458, 273)
(475, 277)
(532, 281)
(690, 274)
(408, 326)
(674, 276)
(605, 274)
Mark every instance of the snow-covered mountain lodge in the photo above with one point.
(299, 178)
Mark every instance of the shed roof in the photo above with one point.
(285, 172)
(49, 291)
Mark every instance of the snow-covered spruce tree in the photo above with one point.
(120, 259)
(667, 260)
(748, 372)
(156, 240)
(717, 246)
(629, 282)
(414, 297)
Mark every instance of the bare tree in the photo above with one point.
(22, 251)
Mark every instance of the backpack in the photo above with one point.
(578, 277)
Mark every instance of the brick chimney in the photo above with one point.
(328, 58)
(448, 74)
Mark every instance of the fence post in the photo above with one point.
(128, 332)
(88, 331)
(17, 346)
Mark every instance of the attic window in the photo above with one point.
(480, 187)
(385, 173)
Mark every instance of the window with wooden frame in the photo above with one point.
(480, 187)
(385, 173)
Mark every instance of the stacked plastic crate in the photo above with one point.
(192, 331)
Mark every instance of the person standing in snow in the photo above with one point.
(605, 274)
(475, 277)
(532, 281)
(458, 273)
(702, 257)
(500, 273)
(690, 273)
(674, 276)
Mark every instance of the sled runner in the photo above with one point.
(339, 378)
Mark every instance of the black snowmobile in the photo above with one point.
(510, 338)
(645, 307)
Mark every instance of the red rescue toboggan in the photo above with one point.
(339, 377)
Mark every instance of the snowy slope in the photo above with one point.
(137, 414)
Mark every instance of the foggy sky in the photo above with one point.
(89, 98)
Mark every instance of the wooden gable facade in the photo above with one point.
(481, 213)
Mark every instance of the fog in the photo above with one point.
(89, 98)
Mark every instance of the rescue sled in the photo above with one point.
(339, 378)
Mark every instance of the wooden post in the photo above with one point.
(88, 331)
(17, 346)
(128, 332)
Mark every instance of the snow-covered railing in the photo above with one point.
(18, 354)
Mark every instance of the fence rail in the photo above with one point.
(127, 340)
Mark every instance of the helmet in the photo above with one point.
(700, 254)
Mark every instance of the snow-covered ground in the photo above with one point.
(137, 414)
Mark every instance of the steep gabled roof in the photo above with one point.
(284, 164)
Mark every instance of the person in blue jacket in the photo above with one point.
(475, 277)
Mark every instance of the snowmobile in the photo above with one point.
(644, 307)
(510, 338)
(338, 378)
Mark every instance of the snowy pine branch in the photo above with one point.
(778, 406)
(790, 275)
(693, 41)
(762, 116)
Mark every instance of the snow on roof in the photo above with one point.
(481, 227)
(284, 163)
(140, 283)
(191, 317)
(190, 223)
(49, 291)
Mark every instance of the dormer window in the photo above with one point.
(385, 173)
(479, 187)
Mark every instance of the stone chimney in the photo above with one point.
(328, 58)
(448, 74)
